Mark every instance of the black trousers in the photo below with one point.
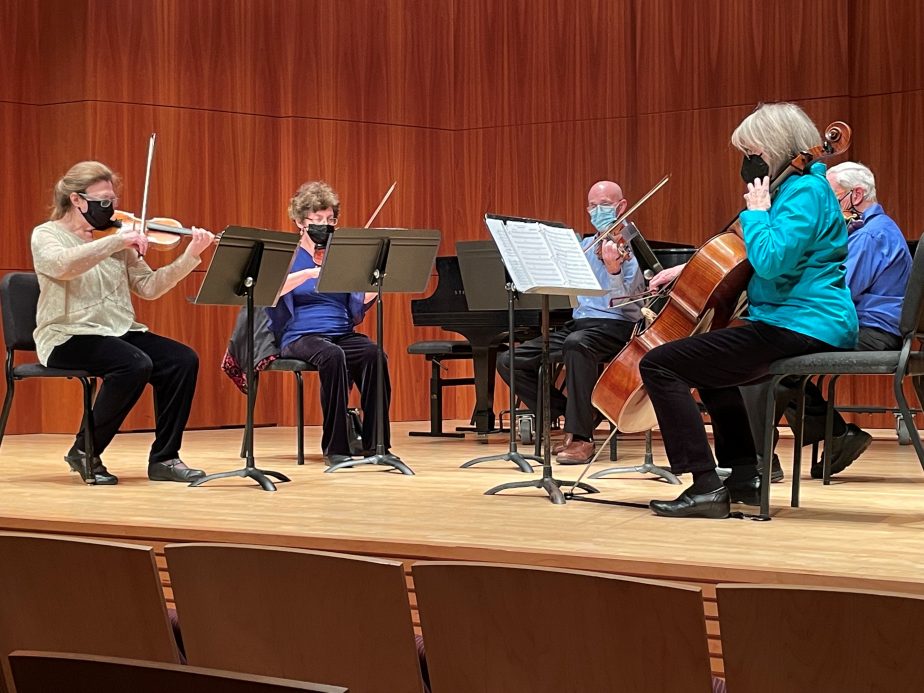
(126, 364)
(870, 339)
(582, 345)
(341, 360)
(715, 363)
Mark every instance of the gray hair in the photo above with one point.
(779, 131)
(851, 174)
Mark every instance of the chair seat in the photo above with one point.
(290, 365)
(846, 362)
(37, 370)
(441, 347)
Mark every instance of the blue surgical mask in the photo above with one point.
(602, 217)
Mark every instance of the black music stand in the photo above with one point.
(547, 482)
(480, 264)
(361, 260)
(249, 267)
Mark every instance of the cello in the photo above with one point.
(705, 296)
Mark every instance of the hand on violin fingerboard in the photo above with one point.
(201, 239)
(613, 255)
(758, 195)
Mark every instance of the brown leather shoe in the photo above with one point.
(577, 452)
(562, 444)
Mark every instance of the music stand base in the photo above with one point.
(646, 468)
(549, 484)
(386, 460)
(513, 456)
(258, 475)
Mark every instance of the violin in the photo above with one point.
(705, 296)
(162, 233)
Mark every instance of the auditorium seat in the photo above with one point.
(82, 595)
(304, 615)
(42, 672)
(497, 628)
(781, 638)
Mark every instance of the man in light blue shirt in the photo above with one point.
(598, 330)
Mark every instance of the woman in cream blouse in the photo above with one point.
(86, 320)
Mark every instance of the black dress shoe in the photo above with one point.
(714, 504)
(845, 448)
(173, 470)
(745, 491)
(100, 475)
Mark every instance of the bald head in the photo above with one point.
(605, 192)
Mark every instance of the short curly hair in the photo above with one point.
(313, 196)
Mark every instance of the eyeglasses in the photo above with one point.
(592, 207)
(105, 202)
(326, 220)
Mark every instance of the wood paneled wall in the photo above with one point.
(510, 106)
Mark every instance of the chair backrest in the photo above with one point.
(40, 672)
(305, 615)
(94, 597)
(19, 294)
(493, 628)
(912, 317)
(782, 638)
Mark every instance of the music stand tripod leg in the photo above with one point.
(380, 457)
(250, 470)
(548, 483)
(512, 454)
(647, 467)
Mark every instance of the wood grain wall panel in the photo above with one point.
(534, 62)
(885, 46)
(884, 127)
(700, 55)
(360, 60)
(562, 60)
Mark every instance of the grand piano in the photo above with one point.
(486, 330)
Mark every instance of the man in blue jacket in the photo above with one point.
(878, 265)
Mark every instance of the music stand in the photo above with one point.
(482, 271)
(249, 267)
(380, 260)
(547, 482)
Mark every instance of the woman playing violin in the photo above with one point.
(799, 304)
(86, 320)
(319, 327)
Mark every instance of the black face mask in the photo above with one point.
(319, 234)
(753, 166)
(97, 216)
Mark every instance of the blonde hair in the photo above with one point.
(313, 196)
(779, 131)
(851, 174)
(78, 178)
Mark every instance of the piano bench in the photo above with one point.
(436, 352)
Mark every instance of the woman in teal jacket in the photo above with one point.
(799, 303)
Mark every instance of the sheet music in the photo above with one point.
(537, 255)
(570, 258)
(515, 267)
(543, 259)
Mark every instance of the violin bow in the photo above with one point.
(381, 204)
(644, 198)
(147, 186)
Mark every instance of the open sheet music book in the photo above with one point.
(543, 259)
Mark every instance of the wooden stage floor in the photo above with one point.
(867, 528)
